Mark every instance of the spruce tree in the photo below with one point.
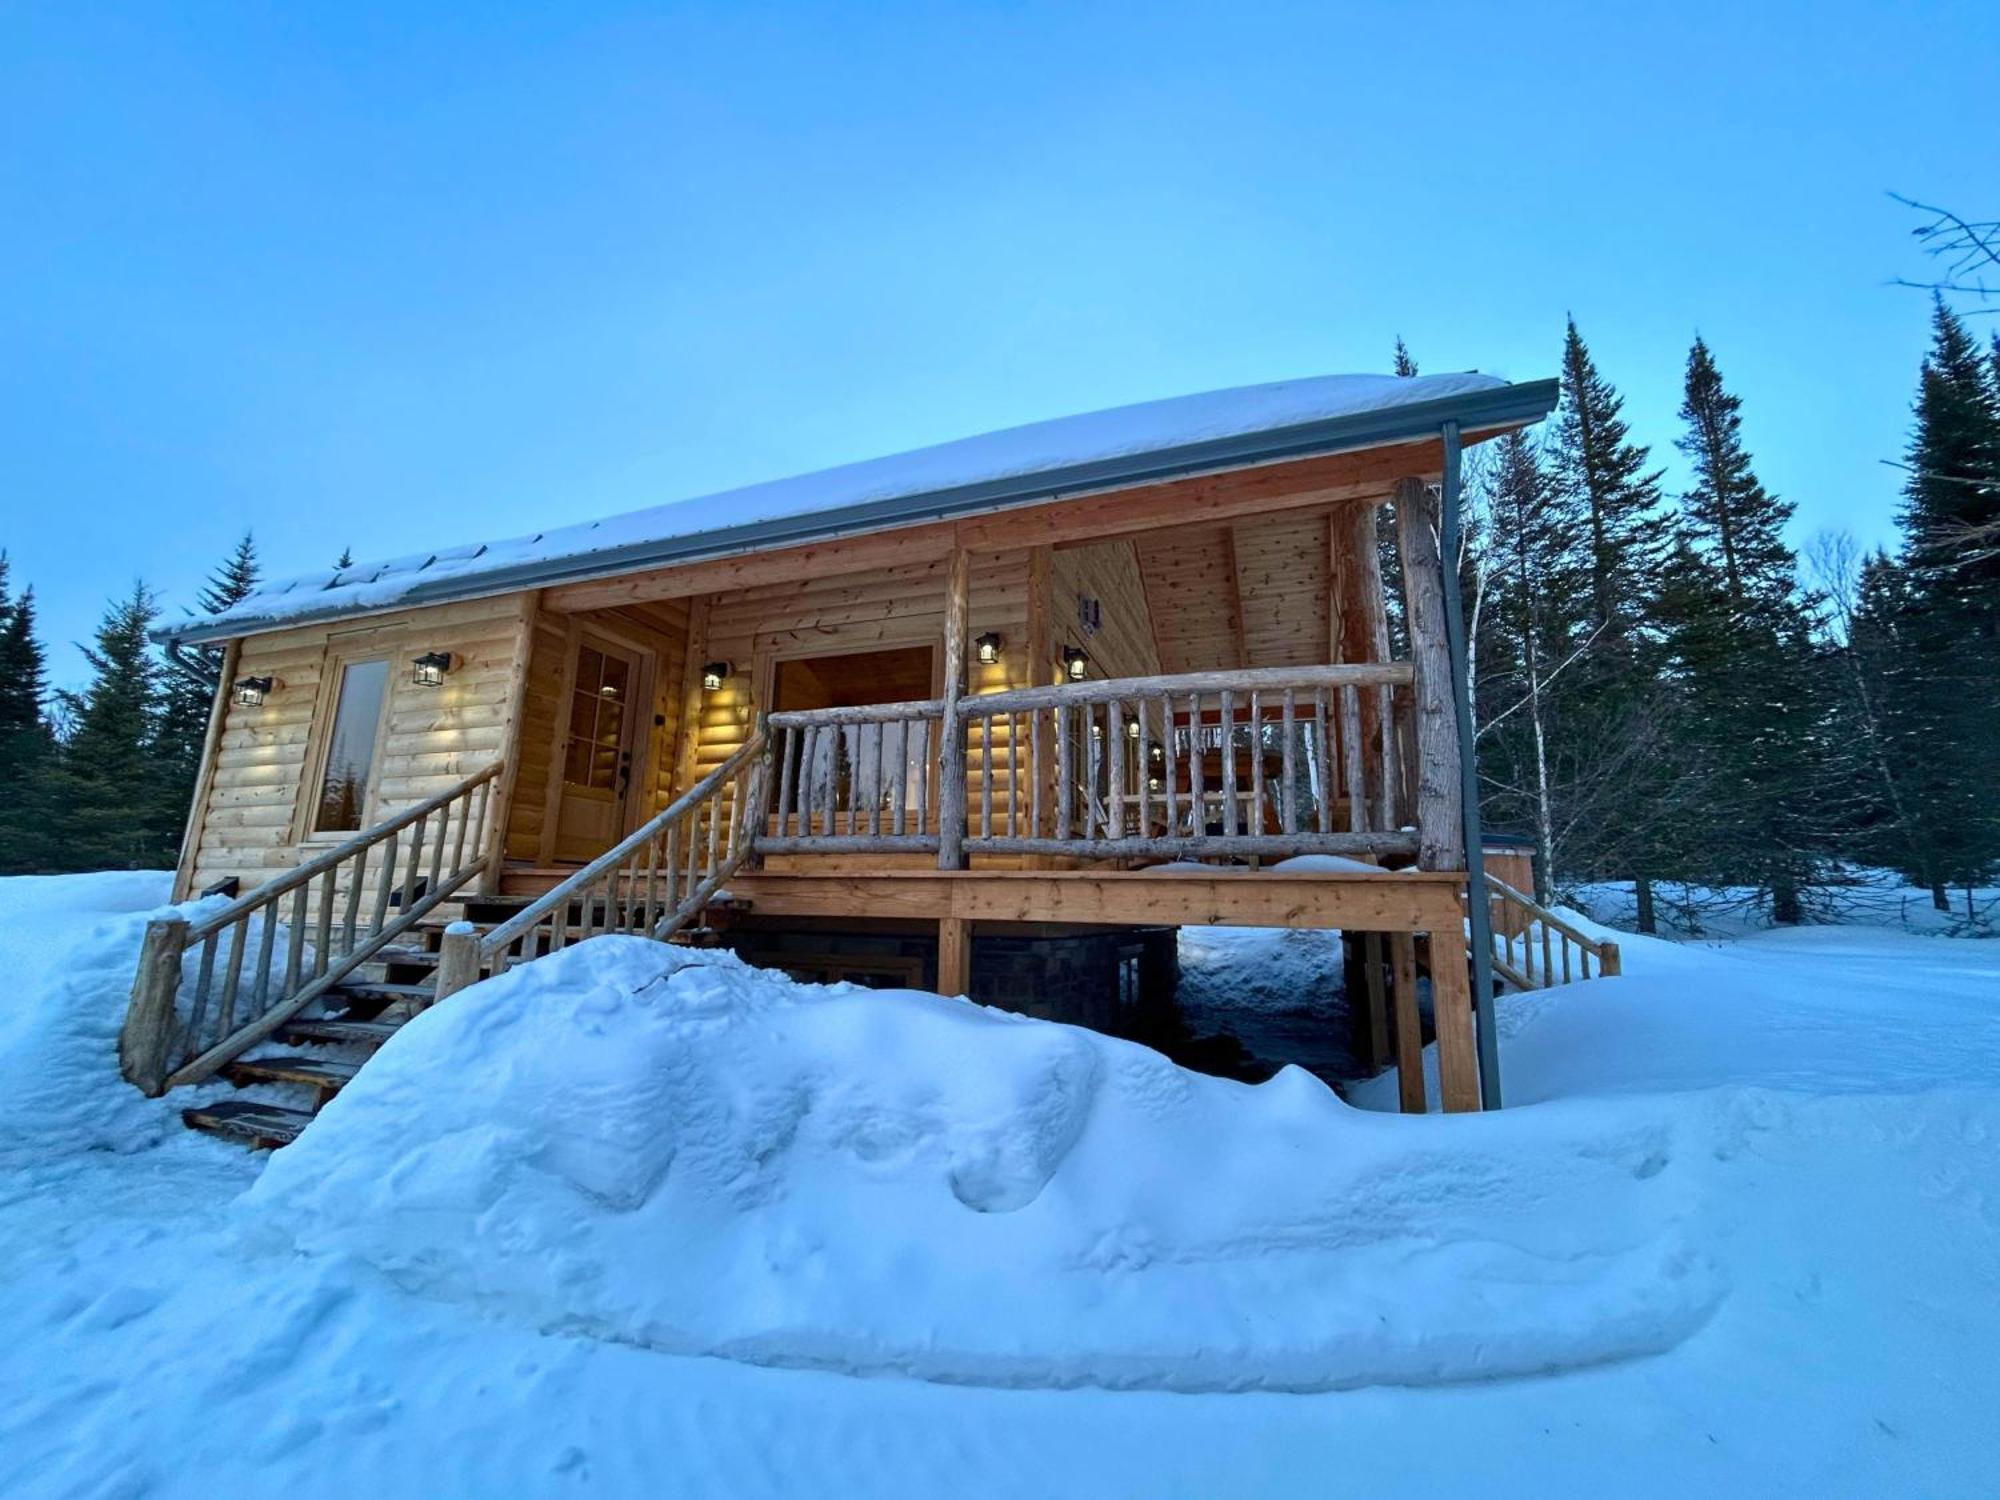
(26, 743)
(1405, 366)
(345, 560)
(1601, 474)
(1935, 623)
(1728, 512)
(189, 686)
(105, 781)
(1618, 719)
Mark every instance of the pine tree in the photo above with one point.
(1405, 366)
(1619, 721)
(26, 743)
(1601, 474)
(105, 782)
(1728, 512)
(1933, 624)
(189, 686)
(345, 560)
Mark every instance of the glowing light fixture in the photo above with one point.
(715, 674)
(251, 691)
(429, 669)
(988, 646)
(1076, 664)
(1131, 729)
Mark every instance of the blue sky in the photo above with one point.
(395, 277)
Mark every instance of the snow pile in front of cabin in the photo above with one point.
(71, 944)
(680, 1152)
(1013, 453)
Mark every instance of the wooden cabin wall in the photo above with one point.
(661, 627)
(876, 610)
(1107, 572)
(252, 809)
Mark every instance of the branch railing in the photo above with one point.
(652, 883)
(333, 913)
(1533, 948)
(861, 779)
(1269, 761)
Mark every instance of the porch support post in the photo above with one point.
(951, 733)
(1479, 911)
(954, 956)
(1440, 817)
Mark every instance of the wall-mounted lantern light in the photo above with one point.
(428, 670)
(1076, 664)
(252, 691)
(715, 674)
(988, 646)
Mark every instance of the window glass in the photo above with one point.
(597, 719)
(350, 746)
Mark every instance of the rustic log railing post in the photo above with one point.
(1440, 821)
(458, 959)
(146, 1042)
(951, 772)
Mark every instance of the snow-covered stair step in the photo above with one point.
(326, 1075)
(260, 1126)
(361, 1033)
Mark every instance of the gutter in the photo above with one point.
(1501, 406)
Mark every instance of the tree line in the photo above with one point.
(101, 778)
(1663, 692)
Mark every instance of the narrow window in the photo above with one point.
(350, 746)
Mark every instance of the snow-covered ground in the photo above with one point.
(1739, 1232)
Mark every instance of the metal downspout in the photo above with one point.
(1478, 913)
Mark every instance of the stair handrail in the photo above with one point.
(158, 1050)
(688, 832)
(1527, 915)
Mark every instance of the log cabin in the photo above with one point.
(1113, 673)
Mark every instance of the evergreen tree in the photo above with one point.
(26, 743)
(1600, 473)
(1607, 504)
(105, 784)
(1405, 366)
(189, 686)
(1929, 627)
(345, 560)
(1728, 513)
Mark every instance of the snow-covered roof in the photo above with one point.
(1015, 466)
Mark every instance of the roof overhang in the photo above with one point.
(1499, 407)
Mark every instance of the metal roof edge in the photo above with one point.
(1499, 406)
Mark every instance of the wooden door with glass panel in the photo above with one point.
(595, 757)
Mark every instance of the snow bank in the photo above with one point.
(68, 948)
(677, 1151)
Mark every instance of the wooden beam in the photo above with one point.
(951, 763)
(954, 956)
(688, 752)
(1041, 669)
(1409, 1024)
(1402, 901)
(218, 713)
(1440, 826)
(1451, 1011)
(501, 812)
(1292, 485)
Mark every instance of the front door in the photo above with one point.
(596, 752)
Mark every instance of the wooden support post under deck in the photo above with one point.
(1451, 1010)
(1409, 1024)
(951, 771)
(954, 956)
(1378, 1004)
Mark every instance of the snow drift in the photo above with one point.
(639, 1144)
